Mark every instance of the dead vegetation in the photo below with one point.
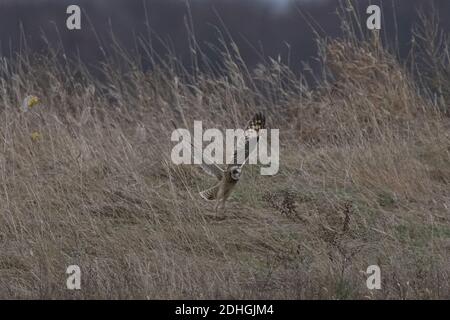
(364, 179)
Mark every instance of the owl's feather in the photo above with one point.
(257, 123)
(210, 194)
(210, 168)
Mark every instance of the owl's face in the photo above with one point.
(235, 173)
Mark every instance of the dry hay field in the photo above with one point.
(86, 178)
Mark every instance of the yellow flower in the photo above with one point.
(29, 102)
(36, 136)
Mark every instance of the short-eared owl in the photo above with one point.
(229, 177)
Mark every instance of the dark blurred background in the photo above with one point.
(261, 28)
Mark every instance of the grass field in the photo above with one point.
(87, 179)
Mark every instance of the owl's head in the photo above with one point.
(235, 173)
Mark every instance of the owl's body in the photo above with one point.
(229, 177)
(226, 186)
(222, 190)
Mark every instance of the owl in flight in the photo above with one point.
(229, 177)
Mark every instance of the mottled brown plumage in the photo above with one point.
(229, 177)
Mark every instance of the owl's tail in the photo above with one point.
(210, 194)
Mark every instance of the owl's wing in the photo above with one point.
(257, 123)
(213, 170)
(210, 168)
(210, 194)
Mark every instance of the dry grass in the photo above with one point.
(364, 179)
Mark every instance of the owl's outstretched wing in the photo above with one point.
(213, 170)
(210, 168)
(210, 194)
(257, 123)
